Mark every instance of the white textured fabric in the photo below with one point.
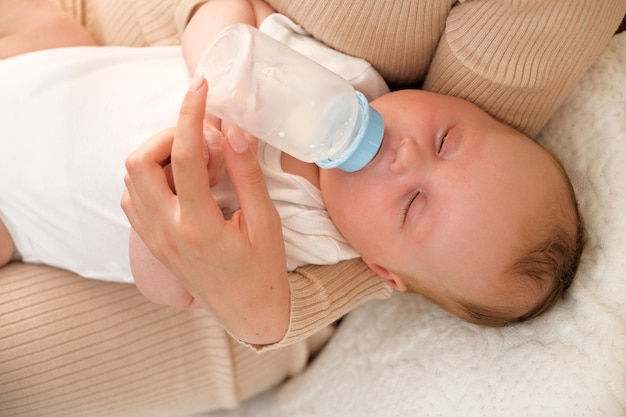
(405, 357)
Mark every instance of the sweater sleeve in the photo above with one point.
(322, 294)
(519, 60)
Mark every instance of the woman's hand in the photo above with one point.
(236, 267)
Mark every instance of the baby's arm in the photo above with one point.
(212, 17)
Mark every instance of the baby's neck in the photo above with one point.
(308, 171)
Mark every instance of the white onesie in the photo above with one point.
(70, 116)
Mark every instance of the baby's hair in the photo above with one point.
(554, 262)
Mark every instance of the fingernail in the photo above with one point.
(196, 81)
(237, 140)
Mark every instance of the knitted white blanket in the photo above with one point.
(406, 357)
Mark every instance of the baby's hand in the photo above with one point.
(214, 133)
(214, 148)
(213, 152)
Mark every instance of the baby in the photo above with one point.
(455, 206)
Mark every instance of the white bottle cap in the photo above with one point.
(366, 144)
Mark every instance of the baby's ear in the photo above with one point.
(392, 279)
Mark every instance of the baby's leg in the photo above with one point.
(32, 25)
(6, 245)
(154, 280)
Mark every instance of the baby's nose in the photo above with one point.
(409, 155)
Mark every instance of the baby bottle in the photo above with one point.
(289, 101)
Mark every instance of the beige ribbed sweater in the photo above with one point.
(76, 347)
(70, 346)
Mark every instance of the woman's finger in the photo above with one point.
(129, 211)
(189, 154)
(145, 180)
(155, 152)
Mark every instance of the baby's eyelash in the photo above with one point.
(406, 208)
(441, 143)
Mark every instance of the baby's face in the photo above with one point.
(446, 198)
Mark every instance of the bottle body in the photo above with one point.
(281, 96)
